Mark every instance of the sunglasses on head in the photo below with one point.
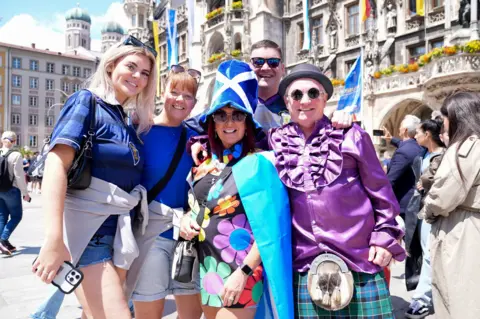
(192, 72)
(272, 62)
(223, 117)
(313, 94)
(131, 40)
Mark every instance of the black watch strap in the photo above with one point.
(246, 269)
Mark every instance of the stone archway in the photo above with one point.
(395, 115)
(216, 44)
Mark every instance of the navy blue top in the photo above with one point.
(117, 150)
(160, 145)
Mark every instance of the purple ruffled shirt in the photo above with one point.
(340, 198)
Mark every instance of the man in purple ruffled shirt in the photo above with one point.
(341, 201)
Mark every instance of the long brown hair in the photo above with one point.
(216, 144)
(463, 112)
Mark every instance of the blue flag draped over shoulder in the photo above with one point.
(172, 43)
(266, 203)
(351, 99)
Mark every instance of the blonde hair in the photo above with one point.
(101, 84)
(10, 135)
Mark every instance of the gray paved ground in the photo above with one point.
(21, 292)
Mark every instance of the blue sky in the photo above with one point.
(42, 21)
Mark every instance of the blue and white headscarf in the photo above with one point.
(236, 85)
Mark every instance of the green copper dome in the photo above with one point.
(78, 14)
(113, 27)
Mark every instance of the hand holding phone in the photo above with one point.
(378, 133)
(27, 198)
(68, 278)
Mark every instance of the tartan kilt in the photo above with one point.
(371, 299)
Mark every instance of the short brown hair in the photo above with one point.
(266, 44)
(182, 81)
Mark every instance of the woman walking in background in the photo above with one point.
(452, 206)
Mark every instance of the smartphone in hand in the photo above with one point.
(68, 278)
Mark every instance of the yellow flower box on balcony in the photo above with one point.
(214, 13)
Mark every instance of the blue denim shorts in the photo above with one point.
(99, 250)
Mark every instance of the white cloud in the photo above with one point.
(24, 29)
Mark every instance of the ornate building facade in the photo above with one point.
(396, 35)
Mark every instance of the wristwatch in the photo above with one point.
(246, 269)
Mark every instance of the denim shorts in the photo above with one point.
(155, 281)
(99, 250)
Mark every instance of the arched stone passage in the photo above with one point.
(395, 115)
(216, 44)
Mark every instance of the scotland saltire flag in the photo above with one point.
(172, 43)
(306, 27)
(351, 99)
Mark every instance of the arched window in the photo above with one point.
(216, 44)
(69, 42)
(237, 42)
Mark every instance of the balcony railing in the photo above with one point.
(216, 20)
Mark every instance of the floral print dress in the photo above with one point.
(225, 237)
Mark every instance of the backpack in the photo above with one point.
(5, 182)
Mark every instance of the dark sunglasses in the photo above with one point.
(131, 40)
(313, 94)
(272, 62)
(223, 117)
(192, 72)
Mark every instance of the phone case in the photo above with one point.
(68, 278)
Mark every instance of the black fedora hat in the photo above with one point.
(306, 71)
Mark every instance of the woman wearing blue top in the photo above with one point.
(155, 282)
(125, 78)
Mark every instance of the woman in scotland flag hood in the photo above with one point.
(242, 208)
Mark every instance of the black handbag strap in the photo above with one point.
(155, 190)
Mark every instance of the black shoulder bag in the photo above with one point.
(79, 175)
(186, 253)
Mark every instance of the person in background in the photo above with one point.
(452, 208)
(13, 187)
(428, 136)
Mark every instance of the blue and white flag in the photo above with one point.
(351, 99)
(306, 27)
(172, 42)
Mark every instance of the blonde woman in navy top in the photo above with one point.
(125, 78)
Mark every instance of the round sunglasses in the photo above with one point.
(313, 94)
(223, 117)
(272, 62)
(192, 72)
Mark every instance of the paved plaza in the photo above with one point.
(21, 292)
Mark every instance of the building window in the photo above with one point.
(353, 18)
(436, 44)
(50, 67)
(50, 84)
(15, 119)
(17, 81)
(33, 119)
(349, 66)
(65, 87)
(84, 43)
(76, 71)
(317, 30)
(49, 120)
(415, 52)
(184, 44)
(65, 69)
(134, 21)
(141, 20)
(33, 141)
(33, 65)
(33, 101)
(49, 101)
(17, 63)
(300, 36)
(87, 72)
(164, 54)
(34, 83)
(76, 87)
(16, 99)
(437, 3)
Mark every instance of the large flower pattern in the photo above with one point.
(253, 289)
(213, 276)
(235, 239)
(226, 205)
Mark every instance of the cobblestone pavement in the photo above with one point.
(21, 292)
